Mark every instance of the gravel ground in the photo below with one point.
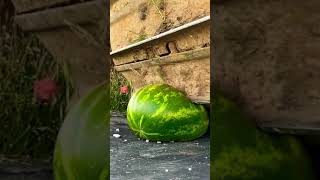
(25, 169)
(132, 158)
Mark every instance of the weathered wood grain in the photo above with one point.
(170, 59)
(28, 5)
(83, 13)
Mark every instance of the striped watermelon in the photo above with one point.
(159, 112)
(81, 151)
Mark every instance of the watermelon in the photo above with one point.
(159, 112)
(81, 150)
(242, 151)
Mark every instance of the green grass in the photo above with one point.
(28, 128)
(140, 37)
(158, 4)
(119, 101)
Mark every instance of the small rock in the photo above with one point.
(117, 130)
(159, 142)
(167, 170)
(125, 140)
(147, 140)
(116, 135)
(189, 169)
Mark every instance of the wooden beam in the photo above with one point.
(200, 99)
(82, 13)
(170, 59)
(205, 19)
(22, 6)
(292, 129)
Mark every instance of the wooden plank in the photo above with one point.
(28, 5)
(297, 129)
(201, 99)
(170, 59)
(84, 13)
(192, 38)
(292, 123)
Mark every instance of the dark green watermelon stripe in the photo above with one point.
(147, 135)
(131, 123)
(132, 107)
(140, 122)
(140, 131)
(160, 110)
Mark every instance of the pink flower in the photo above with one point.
(124, 90)
(45, 89)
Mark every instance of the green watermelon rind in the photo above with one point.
(159, 112)
(81, 150)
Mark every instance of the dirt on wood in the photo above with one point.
(191, 76)
(130, 18)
